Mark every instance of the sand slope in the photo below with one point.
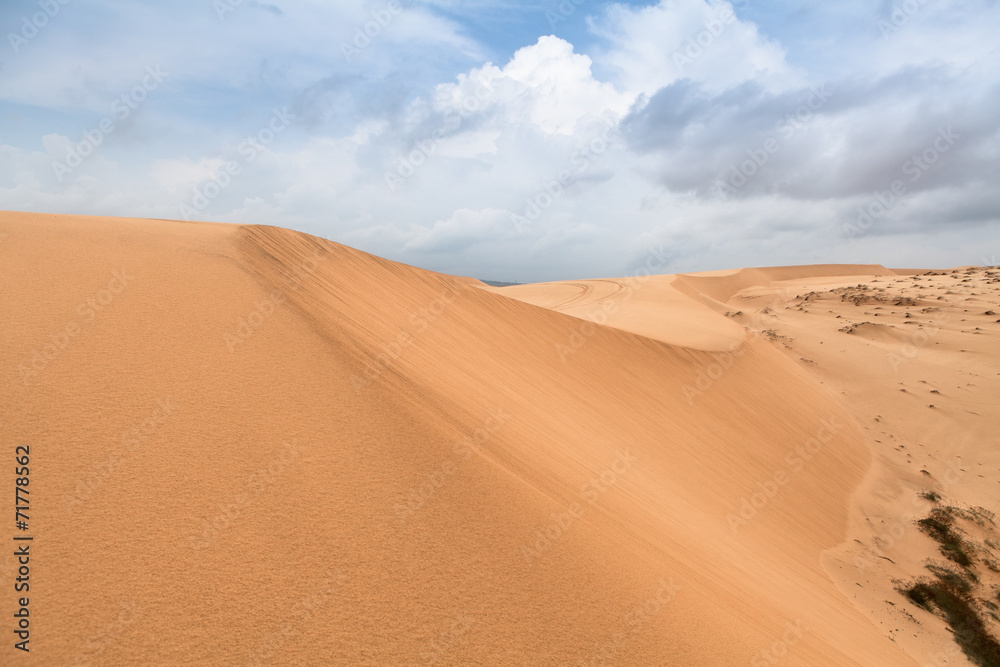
(270, 448)
(913, 356)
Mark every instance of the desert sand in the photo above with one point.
(254, 446)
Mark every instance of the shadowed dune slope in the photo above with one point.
(270, 448)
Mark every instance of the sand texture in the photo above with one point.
(254, 446)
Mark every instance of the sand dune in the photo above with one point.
(254, 446)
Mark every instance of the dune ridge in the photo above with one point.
(394, 466)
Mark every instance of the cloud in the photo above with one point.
(720, 134)
(837, 139)
(559, 87)
(655, 46)
(461, 231)
(172, 174)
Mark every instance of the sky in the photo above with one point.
(521, 141)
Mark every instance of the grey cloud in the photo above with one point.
(840, 139)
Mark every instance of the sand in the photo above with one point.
(254, 446)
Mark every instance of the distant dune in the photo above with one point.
(254, 446)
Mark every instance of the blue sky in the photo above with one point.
(521, 141)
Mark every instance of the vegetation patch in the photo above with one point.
(960, 611)
(951, 593)
(941, 526)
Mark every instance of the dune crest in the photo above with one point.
(305, 454)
